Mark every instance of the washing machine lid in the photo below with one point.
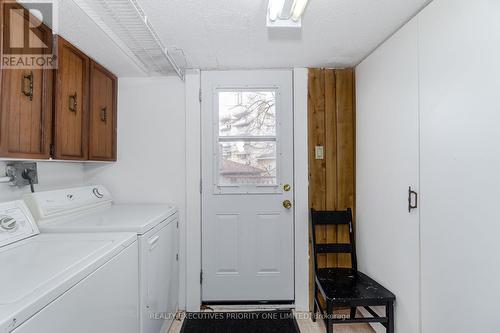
(138, 218)
(37, 270)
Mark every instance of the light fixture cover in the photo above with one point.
(275, 9)
(298, 9)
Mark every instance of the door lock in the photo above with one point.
(287, 187)
(287, 204)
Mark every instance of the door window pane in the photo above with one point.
(247, 113)
(247, 163)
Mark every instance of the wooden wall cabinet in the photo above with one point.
(85, 107)
(71, 103)
(103, 106)
(67, 114)
(26, 97)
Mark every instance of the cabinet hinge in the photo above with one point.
(51, 150)
(200, 95)
(201, 277)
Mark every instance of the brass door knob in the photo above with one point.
(287, 204)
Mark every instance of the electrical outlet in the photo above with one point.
(15, 171)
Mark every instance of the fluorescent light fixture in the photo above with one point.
(298, 9)
(275, 9)
(285, 13)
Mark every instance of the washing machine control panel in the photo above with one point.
(16, 223)
(46, 206)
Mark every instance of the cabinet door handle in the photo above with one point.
(412, 204)
(27, 91)
(104, 114)
(73, 102)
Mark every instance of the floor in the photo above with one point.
(306, 326)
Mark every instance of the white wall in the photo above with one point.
(151, 165)
(193, 195)
(151, 143)
(301, 181)
(51, 176)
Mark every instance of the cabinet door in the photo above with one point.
(26, 97)
(71, 112)
(460, 162)
(387, 164)
(102, 128)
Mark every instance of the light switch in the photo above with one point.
(320, 153)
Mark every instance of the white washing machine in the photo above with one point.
(61, 283)
(91, 209)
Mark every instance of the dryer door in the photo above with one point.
(160, 259)
(173, 302)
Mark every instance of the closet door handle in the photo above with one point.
(412, 200)
(29, 91)
(73, 102)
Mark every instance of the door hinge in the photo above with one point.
(201, 277)
(177, 257)
(201, 186)
(51, 150)
(177, 224)
(200, 95)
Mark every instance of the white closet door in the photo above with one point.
(460, 165)
(387, 164)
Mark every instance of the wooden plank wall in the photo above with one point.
(331, 118)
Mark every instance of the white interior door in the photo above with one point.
(387, 164)
(247, 176)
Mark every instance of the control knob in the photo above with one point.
(7, 223)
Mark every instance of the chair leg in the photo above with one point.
(329, 318)
(389, 309)
(353, 313)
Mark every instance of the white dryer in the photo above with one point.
(63, 283)
(91, 209)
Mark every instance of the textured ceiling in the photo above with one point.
(227, 34)
(232, 34)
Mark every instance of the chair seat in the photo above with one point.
(350, 287)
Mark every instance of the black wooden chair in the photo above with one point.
(346, 287)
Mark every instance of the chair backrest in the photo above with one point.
(321, 218)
